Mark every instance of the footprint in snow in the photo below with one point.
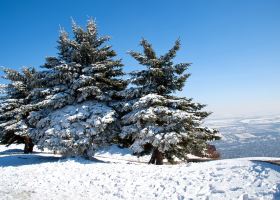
(234, 167)
(217, 191)
(213, 189)
(235, 188)
(244, 197)
(264, 173)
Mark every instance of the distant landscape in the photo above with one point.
(248, 137)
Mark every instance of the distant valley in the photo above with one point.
(250, 137)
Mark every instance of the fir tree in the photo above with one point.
(162, 77)
(86, 65)
(15, 106)
(157, 122)
(80, 83)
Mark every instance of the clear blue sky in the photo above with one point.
(234, 45)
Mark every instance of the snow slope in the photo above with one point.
(47, 176)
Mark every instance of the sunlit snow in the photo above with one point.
(114, 176)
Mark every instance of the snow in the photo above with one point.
(262, 120)
(165, 123)
(71, 128)
(245, 136)
(47, 176)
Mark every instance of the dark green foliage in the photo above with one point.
(85, 65)
(151, 118)
(170, 126)
(161, 76)
(15, 104)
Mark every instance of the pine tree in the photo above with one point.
(80, 83)
(154, 120)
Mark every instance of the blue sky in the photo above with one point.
(234, 45)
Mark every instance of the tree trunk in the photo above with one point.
(212, 152)
(28, 145)
(157, 157)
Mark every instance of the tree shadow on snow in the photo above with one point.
(16, 157)
(19, 159)
(11, 151)
(18, 151)
(261, 166)
(25, 159)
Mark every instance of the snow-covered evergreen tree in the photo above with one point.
(15, 106)
(84, 78)
(155, 120)
(86, 66)
(74, 105)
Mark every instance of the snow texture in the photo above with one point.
(166, 123)
(74, 128)
(46, 176)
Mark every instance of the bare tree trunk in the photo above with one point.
(157, 157)
(28, 145)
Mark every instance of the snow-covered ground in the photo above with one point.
(114, 176)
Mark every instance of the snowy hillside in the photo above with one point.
(47, 176)
(248, 137)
